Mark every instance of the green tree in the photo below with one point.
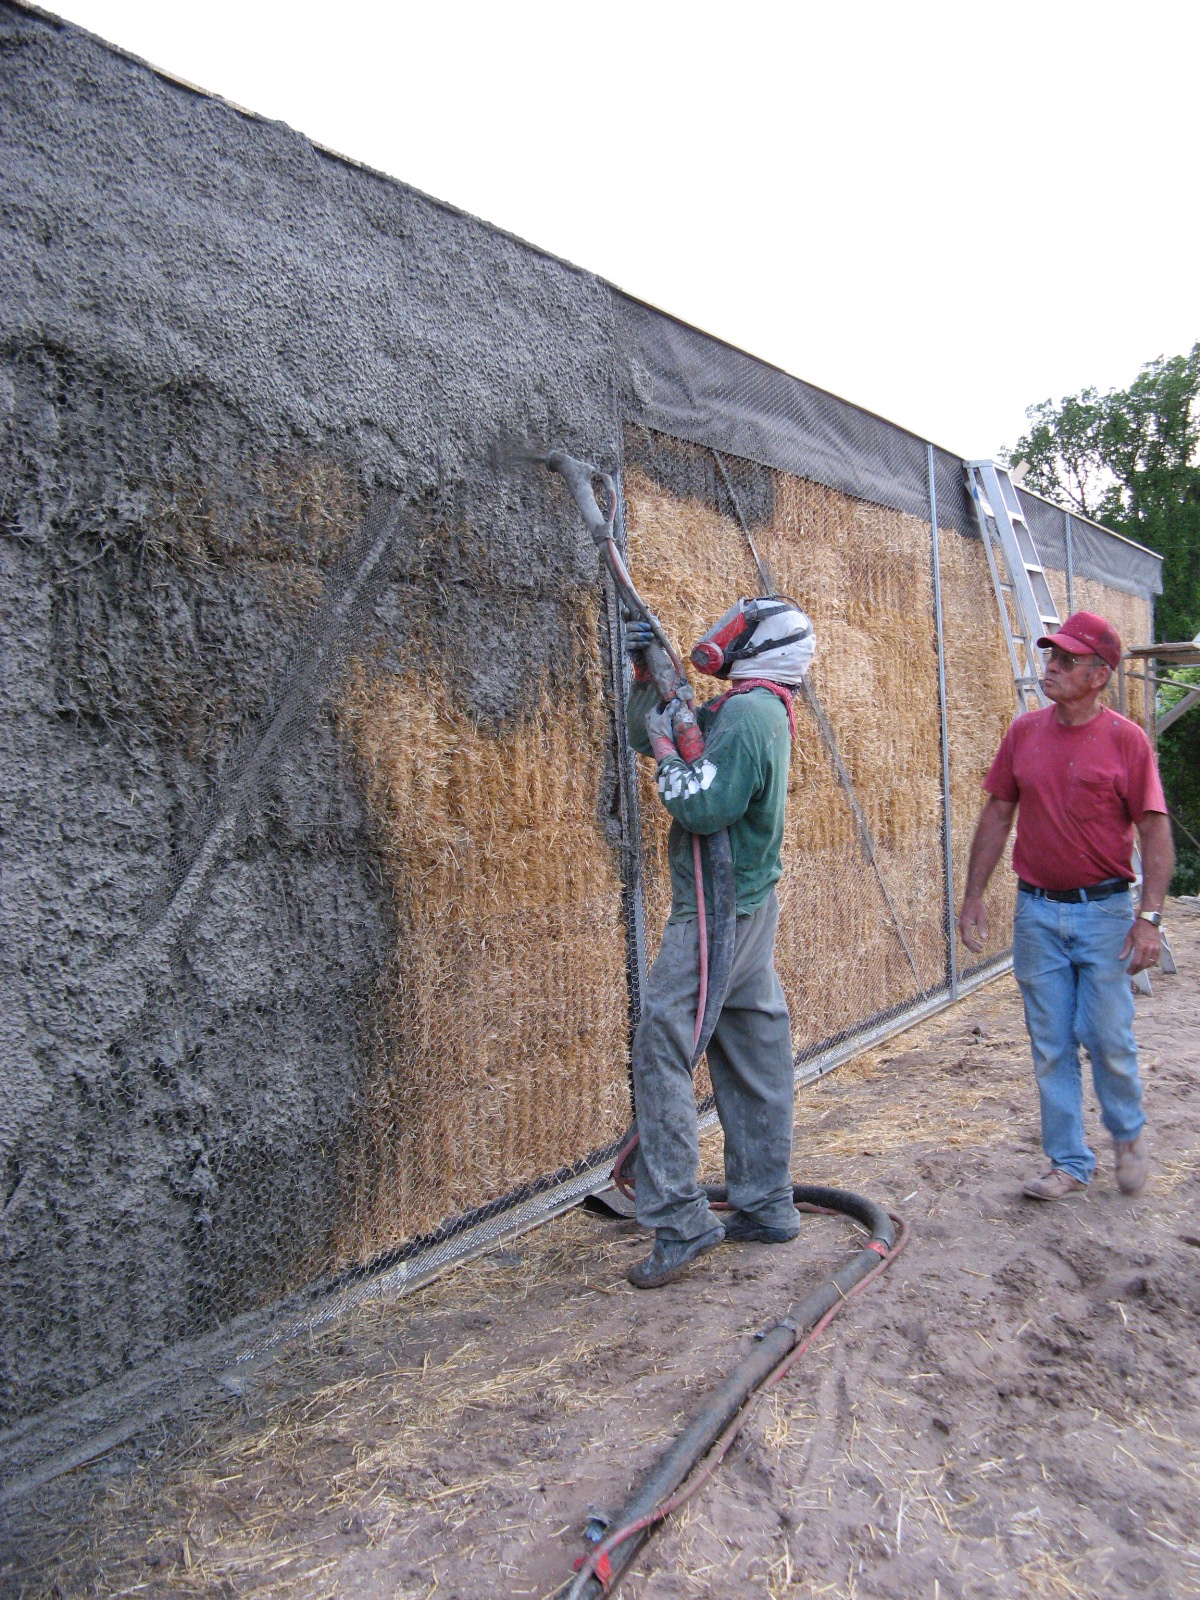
(1131, 460)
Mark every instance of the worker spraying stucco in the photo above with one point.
(727, 808)
(766, 646)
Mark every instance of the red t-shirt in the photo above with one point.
(1080, 792)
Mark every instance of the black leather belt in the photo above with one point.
(1093, 891)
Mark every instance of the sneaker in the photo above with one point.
(1053, 1185)
(741, 1229)
(1133, 1163)
(670, 1258)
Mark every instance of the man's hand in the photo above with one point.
(986, 849)
(1143, 942)
(638, 636)
(973, 923)
(660, 733)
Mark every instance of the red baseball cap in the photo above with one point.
(1086, 634)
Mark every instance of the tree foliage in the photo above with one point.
(1131, 460)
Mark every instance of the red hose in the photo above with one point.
(703, 929)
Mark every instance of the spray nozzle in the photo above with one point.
(582, 479)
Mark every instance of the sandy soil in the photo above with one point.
(1014, 1410)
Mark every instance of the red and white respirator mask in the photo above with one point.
(767, 638)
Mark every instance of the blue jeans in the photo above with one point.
(1066, 959)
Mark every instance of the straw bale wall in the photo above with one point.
(501, 1049)
(1130, 614)
(300, 961)
(980, 703)
(864, 574)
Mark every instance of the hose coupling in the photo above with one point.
(784, 1322)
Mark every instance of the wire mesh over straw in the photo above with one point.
(864, 575)
(980, 703)
(501, 1044)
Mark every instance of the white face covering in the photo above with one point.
(788, 663)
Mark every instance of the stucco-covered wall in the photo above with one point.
(216, 343)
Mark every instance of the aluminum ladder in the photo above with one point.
(1027, 610)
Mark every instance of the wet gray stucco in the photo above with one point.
(218, 345)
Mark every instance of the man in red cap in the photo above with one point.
(1080, 779)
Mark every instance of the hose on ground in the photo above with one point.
(674, 1479)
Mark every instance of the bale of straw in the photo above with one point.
(501, 1044)
(864, 574)
(980, 704)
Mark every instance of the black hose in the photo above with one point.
(707, 1426)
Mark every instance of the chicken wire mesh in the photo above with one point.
(339, 958)
(484, 892)
(864, 575)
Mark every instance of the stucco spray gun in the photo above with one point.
(675, 692)
(662, 660)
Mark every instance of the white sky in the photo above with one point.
(942, 212)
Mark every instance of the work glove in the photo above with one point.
(638, 634)
(660, 733)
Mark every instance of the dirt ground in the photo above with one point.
(1013, 1410)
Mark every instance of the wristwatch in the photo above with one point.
(1152, 917)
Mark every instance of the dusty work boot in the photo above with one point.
(670, 1258)
(1053, 1185)
(1133, 1163)
(742, 1229)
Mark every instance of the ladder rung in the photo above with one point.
(1020, 593)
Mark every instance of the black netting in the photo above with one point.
(1048, 525)
(1115, 562)
(686, 383)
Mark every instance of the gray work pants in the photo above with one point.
(750, 1062)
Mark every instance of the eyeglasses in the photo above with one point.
(1067, 662)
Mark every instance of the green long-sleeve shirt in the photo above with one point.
(741, 784)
